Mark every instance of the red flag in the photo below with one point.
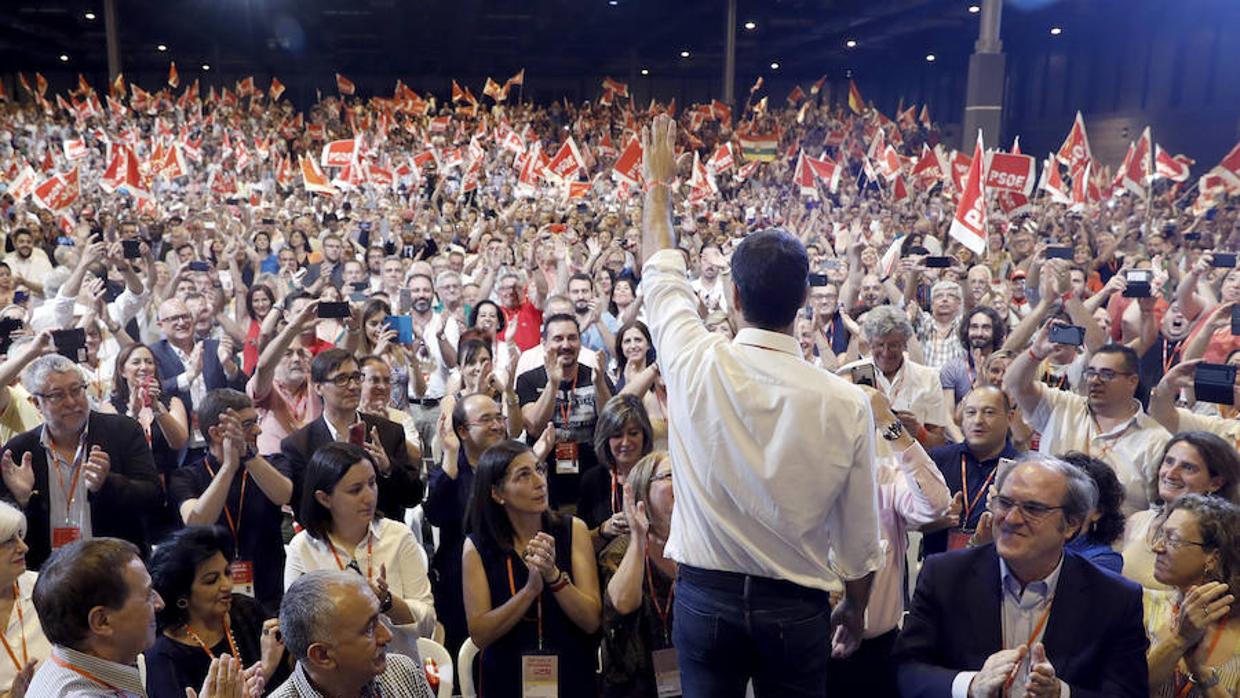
(83, 87)
(826, 169)
(620, 88)
(924, 117)
(276, 90)
(40, 84)
(1080, 186)
(803, 177)
(340, 153)
(1010, 172)
(628, 166)
(440, 124)
(344, 86)
(1075, 148)
(1013, 204)
(908, 118)
(57, 192)
(723, 159)
(1052, 182)
(757, 85)
(746, 171)
(1139, 169)
(23, 184)
(245, 87)
(796, 95)
(313, 178)
(518, 79)
(174, 80)
(1229, 168)
(854, 98)
(75, 149)
(969, 223)
(928, 169)
(605, 146)
(493, 90)
(284, 172)
(457, 93)
(1169, 167)
(899, 192)
(48, 164)
(721, 110)
(817, 87)
(567, 161)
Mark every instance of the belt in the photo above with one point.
(426, 402)
(749, 584)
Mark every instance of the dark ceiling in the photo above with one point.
(472, 38)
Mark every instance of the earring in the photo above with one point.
(182, 603)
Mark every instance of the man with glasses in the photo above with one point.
(1010, 618)
(523, 316)
(189, 369)
(336, 379)
(81, 474)
(213, 492)
(1108, 423)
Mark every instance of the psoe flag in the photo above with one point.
(969, 223)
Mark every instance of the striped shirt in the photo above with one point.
(85, 676)
(403, 678)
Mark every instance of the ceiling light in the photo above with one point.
(974, 9)
(64, 58)
(645, 71)
(90, 15)
(613, 3)
(1056, 31)
(774, 65)
(851, 43)
(684, 54)
(205, 66)
(930, 57)
(751, 26)
(161, 47)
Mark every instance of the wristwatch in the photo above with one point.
(385, 604)
(1210, 682)
(893, 431)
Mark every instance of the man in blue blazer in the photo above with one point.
(1023, 617)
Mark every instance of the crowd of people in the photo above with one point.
(626, 430)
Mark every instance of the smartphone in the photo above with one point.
(357, 433)
(1068, 334)
(1138, 284)
(1192, 237)
(20, 297)
(1059, 252)
(1215, 383)
(938, 262)
(816, 280)
(1235, 320)
(70, 343)
(919, 251)
(334, 310)
(832, 264)
(132, 248)
(1223, 259)
(864, 375)
(65, 241)
(403, 324)
(198, 266)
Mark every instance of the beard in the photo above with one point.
(582, 307)
(421, 305)
(980, 343)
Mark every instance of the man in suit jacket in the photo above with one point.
(1023, 617)
(334, 376)
(102, 481)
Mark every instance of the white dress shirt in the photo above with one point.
(1133, 449)
(389, 543)
(774, 459)
(915, 388)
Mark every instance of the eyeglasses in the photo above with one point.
(487, 420)
(60, 396)
(379, 380)
(177, 319)
(1034, 511)
(340, 380)
(1106, 375)
(1172, 541)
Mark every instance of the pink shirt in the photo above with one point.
(281, 414)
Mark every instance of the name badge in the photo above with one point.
(540, 674)
(666, 672)
(64, 535)
(958, 538)
(566, 458)
(241, 573)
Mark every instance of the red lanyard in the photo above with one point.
(666, 610)
(88, 676)
(567, 410)
(1033, 636)
(964, 484)
(234, 525)
(232, 644)
(512, 587)
(21, 623)
(70, 492)
(1169, 360)
(370, 555)
(615, 487)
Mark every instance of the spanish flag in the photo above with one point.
(854, 98)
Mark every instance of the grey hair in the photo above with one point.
(308, 609)
(884, 320)
(54, 280)
(35, 375)
(446, 274)
(945, 286)
(1082, 492)
(12, 522)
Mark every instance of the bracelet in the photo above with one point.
(560, 582)
(1034, 356)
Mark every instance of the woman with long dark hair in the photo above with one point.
(530, 578)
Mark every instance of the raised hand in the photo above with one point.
(96, 468)
(374, 448)
(659, 150)
(225, 679)
(1203, 606)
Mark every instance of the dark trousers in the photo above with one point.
(731, 628)
(867, 672)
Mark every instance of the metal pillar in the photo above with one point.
(729, 53)
(983, 107)
(114, 44)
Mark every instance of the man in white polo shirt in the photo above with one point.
(773, 459)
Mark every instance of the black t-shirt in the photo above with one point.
(260, 540)
(574, 416)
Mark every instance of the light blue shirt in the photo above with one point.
(1021, 610)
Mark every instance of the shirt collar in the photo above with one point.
(45, 436)
(332, 429)
(765, 339)
(1035, 593)
(127, 678)
(306, 689)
